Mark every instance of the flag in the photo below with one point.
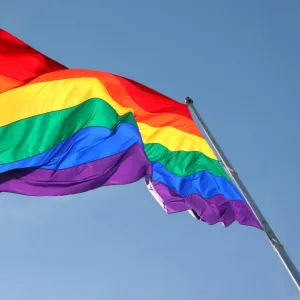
(66, 131)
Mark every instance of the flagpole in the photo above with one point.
(278, 247)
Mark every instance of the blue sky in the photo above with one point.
(239, 60)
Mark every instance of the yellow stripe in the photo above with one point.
(39, 98)
(174, 139)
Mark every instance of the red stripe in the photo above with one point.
(151, 100)
(21, 62)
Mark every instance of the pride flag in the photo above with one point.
(67, 131)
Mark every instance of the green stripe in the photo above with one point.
(35, 135)
(183, 163)
(32, 136)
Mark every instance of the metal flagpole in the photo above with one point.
(278, 247)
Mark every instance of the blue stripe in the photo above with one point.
(84, 146)
(203, 183)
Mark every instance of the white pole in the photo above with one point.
(278, 247)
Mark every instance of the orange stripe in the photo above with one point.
(120, 95)
(8, 83)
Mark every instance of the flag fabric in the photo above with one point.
(66, 131)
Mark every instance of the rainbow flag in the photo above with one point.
(67, 131)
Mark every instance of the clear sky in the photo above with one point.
(240, 61)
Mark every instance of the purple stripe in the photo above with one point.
(119, 169)
(122, 168)
(212, 210)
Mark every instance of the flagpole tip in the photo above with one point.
(189, 100)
